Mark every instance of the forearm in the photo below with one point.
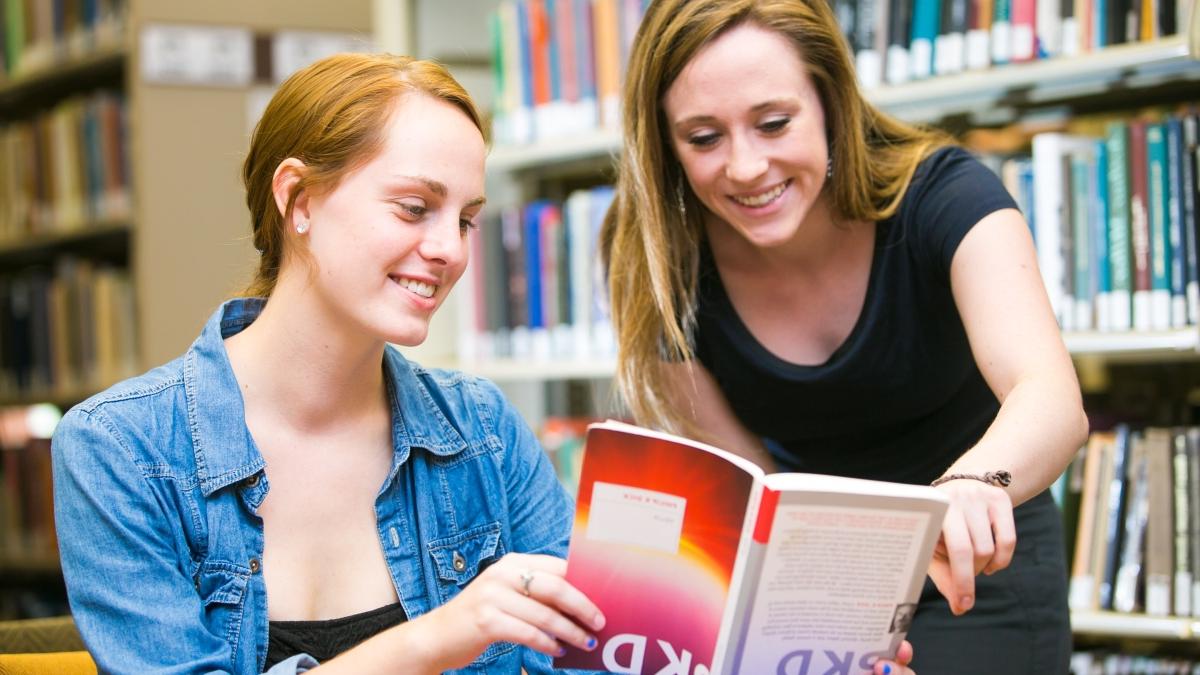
(1040, 425)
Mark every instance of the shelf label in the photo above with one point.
(197, 55)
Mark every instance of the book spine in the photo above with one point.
(1160, 240)
(1189, 192)
(924, 32)
(1139, 224)
(1119, 249)
(1098, 187)
(1173, 127)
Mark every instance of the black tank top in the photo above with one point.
(324, 640)
(902, 397)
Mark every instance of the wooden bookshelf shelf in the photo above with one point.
(541, 154)
(1115, 624)
(1127, 66)
(1172, 343)
(105, 65)
(106, 240)
(21, 565)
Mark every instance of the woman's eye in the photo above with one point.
(775, 125)
(702, 140)
(466, 225)
(413, 210)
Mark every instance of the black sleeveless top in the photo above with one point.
(902, 397)
(324, 640)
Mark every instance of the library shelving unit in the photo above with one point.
(180, 234)
(1161, 71)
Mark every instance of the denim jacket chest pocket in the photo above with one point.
(222, 589)
(458, 559)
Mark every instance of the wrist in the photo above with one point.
(999, 478)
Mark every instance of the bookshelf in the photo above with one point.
(179, 236)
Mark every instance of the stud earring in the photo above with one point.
(301, 225)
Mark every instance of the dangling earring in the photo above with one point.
(679, 200)
(301, 225)
(829, 168)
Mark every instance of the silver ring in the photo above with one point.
(526, 579)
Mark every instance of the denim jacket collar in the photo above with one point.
(225, 451)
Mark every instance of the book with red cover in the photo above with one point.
(701, 563)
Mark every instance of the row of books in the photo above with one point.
(557, 66)
(65, 168)
(66, 330)
(1115, 220)
(535, 289)
(895, 41)
(36, 35)
(1131, 507)
(26, 495)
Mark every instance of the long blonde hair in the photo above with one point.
(329, 115)
(651, 246)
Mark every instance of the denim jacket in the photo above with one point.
(157, 483)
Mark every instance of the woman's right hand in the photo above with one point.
(900, 665)
(522, 598)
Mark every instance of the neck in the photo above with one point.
(299, 364)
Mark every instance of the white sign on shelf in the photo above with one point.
(292, 50)
(216, 56)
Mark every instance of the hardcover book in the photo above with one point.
(702, 563)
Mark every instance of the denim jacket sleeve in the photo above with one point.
(136, 604)
(539, 509)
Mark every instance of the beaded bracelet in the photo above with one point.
(997, 478)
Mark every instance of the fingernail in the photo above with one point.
(591, 643)
(967, 602)
(887, 670)
(562, 651)
(598, 622)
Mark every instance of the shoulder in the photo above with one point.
(133, 414)
(951, 164)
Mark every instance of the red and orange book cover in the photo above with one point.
(657, 532)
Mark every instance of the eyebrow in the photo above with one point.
(439, 188)
(757, 107)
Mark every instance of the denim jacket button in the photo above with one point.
(252, 481)
(254, 566)
(460, 563)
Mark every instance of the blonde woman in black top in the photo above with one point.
(801, 278)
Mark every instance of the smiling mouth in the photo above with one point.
(764, 198)
(419, 287)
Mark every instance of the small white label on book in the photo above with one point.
(622, 514)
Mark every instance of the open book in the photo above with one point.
(703, 564)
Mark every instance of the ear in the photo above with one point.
(289, 172)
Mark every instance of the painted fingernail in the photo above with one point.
(591, 643)
(887, 670)
(562, 651)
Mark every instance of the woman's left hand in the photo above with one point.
(978, 535)
(898, 666)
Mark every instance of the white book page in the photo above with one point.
(838, 585)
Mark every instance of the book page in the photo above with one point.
(659, 524)
(840, 576)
